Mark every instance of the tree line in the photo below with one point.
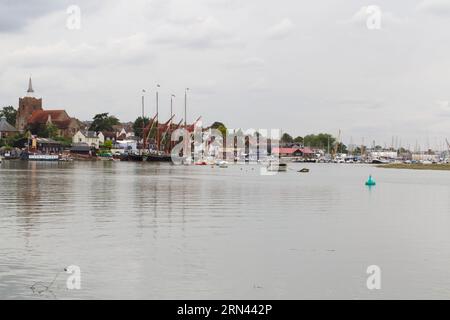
(324, 141)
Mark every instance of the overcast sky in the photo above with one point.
(302, 66)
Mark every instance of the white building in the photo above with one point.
(383, 154)
(425, 157)
(124, 133)
(89, 137)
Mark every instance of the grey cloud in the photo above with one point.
(361, 104)
(252, 62)
(129, 50)
(15, 15)
(435, 7)
(281, 30)
(199, 32)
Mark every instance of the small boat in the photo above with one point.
(159, 157)
(223, 164)
(201, 163)
(105, 156)
(379, 161)
(277, 167)
(65, 159)
(133, 157)
(304, 170)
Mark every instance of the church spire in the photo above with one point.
(30, 87)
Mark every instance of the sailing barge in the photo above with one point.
(157, 141)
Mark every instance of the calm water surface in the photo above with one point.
(167, 232)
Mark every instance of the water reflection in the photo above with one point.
(141, 230)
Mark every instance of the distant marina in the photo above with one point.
(52, 135)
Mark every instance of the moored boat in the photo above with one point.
(159, 158)
(42, 157)
(277, 167)
(380, 161)
(132, 157)
(105, 156)
(223, 164)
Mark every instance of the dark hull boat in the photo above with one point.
(379, 161)
(133, 158)
(159, 158)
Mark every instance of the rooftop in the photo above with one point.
(5, 126)
(89, 134)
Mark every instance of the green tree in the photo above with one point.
(298, 140)
(10, 114)
(321, 140)
(44, 130)
(16, 141)
(138, 125)
(50, 131)
(103, 122)
(108, 144)
(66, 142)
(286, 138)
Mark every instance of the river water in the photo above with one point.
(149, 231)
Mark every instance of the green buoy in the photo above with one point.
(370, 182)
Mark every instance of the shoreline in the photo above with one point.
(416, 166)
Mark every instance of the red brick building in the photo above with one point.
(31, 114)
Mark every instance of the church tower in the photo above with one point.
(27, 105)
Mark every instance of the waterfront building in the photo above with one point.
(90, 138)
(81, 149)
(31, 115)
(46, 146)
(110, 135)
(6, 129)
(392, 155)
(65, 125)
(294, 152)
(425, 156)
(124, 130)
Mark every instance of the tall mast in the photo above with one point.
(185, 107)
(143, 122)
(171, 104)
(157, 118)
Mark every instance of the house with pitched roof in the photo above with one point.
(90, 138)
(6, 129)
(294, 152)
